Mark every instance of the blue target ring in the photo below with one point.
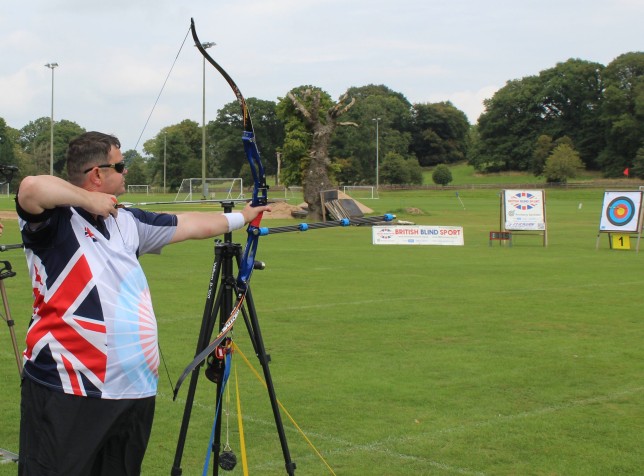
(621, 211)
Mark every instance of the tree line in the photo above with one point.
(577, 114)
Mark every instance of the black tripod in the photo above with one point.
(220, 303)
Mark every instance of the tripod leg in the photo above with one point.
(228, 291)
(252, 323)
(10, 323)
(213, 301)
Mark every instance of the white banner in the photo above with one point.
(418, 235)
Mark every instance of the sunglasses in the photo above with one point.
(119, 167)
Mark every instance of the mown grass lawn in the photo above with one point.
(410, 360)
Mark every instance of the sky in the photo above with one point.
(115, 56)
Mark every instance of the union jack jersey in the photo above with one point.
(93, 331)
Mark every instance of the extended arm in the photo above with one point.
(199, 225)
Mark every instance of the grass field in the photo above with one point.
(409, 360)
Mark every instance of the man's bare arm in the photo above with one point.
(43, 192)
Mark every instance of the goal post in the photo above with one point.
(138, 189)
(362, 192)
(214, 189)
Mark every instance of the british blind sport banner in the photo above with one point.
(417, 235)
(621, 212)
(524, 210)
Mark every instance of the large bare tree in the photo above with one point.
(321, 125)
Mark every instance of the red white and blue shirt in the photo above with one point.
(93, 331)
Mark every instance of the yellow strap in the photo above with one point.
(259, 377)
(242, 441)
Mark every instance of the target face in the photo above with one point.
(621, 211)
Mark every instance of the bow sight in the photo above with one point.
(7, 172)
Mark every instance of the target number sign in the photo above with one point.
(621, 212)
(621, 242)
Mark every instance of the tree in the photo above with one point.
(560, 101)
(570, 99)
(440, 133)
(35, 140)
(540, 154)
(181, 144)
(136, 168)
(622, 113)
(7, 155)
(442, 175)
(320, 123)
(562, 164)
(398, 170)
(638, 164)
(379, 110)
(225, 157)
(508, 128)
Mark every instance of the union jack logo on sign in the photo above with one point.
(523, 201)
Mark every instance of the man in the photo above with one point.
(90, 373)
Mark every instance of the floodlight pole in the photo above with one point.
(165, 151)
(203, 123)
(51, 146)
(377, 120)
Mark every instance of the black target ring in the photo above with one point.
(621, 211)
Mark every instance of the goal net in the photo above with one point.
(212, 189)
(361, 192)
(138, 189)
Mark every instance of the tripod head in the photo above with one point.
(6, 271)
(7, 172)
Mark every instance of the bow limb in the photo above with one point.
(203, 355)
(260, 188)
(259, 198)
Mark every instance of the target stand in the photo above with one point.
(621, 218)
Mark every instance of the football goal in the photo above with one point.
(361, 192)
(138, 189)
(293, 191)
(213, 189)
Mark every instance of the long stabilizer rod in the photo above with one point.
(325, 224)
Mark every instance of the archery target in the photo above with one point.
(621, 211)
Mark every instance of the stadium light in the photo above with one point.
(377, 120)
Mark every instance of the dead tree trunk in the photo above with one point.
(315, 177)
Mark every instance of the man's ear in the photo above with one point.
(94, 177)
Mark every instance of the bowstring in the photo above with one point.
(167, 371)
(162, 88)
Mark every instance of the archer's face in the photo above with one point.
(112, 181)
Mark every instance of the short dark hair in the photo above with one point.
(88, 150)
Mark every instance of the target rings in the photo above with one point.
(620, 211)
